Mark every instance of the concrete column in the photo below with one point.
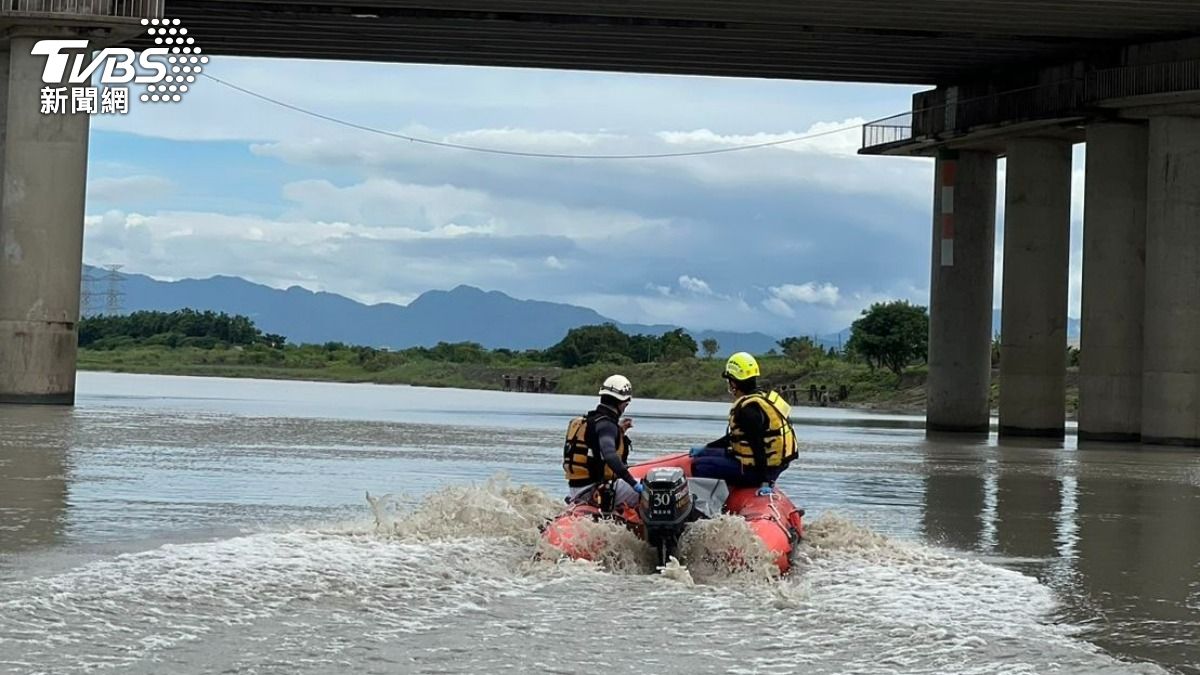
(4, 68)
(1114, 268)
(960, 292)
(1171, 361)
(41, 238)
(1033, 313)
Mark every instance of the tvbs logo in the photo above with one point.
(167, 70)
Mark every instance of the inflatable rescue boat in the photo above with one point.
(673, 499)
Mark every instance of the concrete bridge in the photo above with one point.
(1023, 79)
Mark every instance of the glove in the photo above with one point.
(696, 452)
(765, 490)
(639, 488)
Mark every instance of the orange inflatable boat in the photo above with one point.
(671, 500)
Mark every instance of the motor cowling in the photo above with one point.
(665, 508)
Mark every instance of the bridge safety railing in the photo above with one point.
(1143, 80)
(894, 129)
(114, 9)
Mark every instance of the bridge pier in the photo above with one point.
(1137, 105)
(960, 317)
(1171, 375)
(41, 234)
(1114, 248)
(1033, 332)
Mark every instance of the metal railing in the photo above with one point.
(894, 129)
(1130, 81)
(949, 112)
(1019, 104)
(117, 9)
(944, 113)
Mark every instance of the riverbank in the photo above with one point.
(689, 379)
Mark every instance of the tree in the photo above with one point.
(586, 345)
(711, 347)
(644, 348)
(677, 345)
(799, 348)
(169, 328)
(458, 352)
(891, 335)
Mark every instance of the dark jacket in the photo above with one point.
(603, 437)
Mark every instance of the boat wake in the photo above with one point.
(454, 583)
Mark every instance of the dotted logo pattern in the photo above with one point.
(185, 60)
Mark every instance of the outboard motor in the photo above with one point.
(665, 508)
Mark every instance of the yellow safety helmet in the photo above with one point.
(741, 366)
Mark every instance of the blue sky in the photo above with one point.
(793, 239)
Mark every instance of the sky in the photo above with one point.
(791, 239)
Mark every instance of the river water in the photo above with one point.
(196, 525)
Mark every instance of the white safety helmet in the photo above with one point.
(618, 387)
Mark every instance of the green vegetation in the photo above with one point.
(801, 349)
(688, 379)
(330, 362)
(587, 345)
(666, 366)
(184, 328)
(891, 335)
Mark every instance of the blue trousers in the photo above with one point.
(718, 463)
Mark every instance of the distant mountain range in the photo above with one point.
(463, 314)
(1072, 327)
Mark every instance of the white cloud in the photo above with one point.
(392, 96)
(692, 311)
(779, 307)
(550, 141)
(377, 263)
(694, 285)
(128, 189)
(448, 210)
(834, 138)
(810, 293)
(853, 304)
(820, 167)
(365, 262)
(765, 313)
(379, 218)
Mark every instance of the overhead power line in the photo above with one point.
(521, 153)
(554, 155)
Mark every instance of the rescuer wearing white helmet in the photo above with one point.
(596, 449)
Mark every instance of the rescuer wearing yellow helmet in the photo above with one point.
(760, 442)
(596, 449)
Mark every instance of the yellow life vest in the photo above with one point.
(779, 439)
(582, 462)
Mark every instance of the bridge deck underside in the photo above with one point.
(915, 42)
